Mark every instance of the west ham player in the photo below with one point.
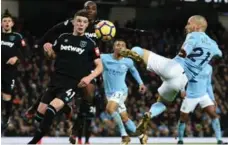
(72, 51)
(199, 91)
(197, 50)
(87, 109)
(12, 45)
(116, 90)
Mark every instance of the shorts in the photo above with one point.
(8, 83)
(189, 104)
(171, 73)
(65, 94)
(86, 110)
(119, 98)
(62, 87)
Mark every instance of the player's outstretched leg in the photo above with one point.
(52, 109)
(156, 109)
(136, 53)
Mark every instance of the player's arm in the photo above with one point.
(188, 45)
(98, 69)
(57, 28)
(137, 77)
(210, 88)
(98, 63)
(51, 49)
(21, 52)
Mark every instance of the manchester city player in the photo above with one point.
(116, 90)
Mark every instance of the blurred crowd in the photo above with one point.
(34, 74)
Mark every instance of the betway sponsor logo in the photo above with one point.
(91, 35)
(10, 44)
(71, 48)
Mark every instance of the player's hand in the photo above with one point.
(12, 60)
(48, 49)
(84, 81)
(142, 89)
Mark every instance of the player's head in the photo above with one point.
(80, 22)
(91, 8)
(7, 23)
(119, 44)
(196, 23)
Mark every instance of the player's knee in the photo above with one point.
(42, 108)
(111, 107)
(213, 115)
(124, 117)
(183, 117)
(57, 104)
(6, 97)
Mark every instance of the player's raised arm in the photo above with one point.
(137, 77)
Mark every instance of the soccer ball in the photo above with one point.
(105, 30)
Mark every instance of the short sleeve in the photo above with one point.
(57, 42)
(94, 52)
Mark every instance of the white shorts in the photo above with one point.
(119, 98)
(171, 73)
(189, 104)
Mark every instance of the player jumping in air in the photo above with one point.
(116, 90)
(199, 91)
(197, 50)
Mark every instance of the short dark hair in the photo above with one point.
(6, 14)
(121, 39)
(82, 13)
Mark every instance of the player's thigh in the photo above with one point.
(123, 113)
(65, 94)
(89, 91)
(42, 108)
(189, 104)
(164, 67)
(48, 96)
(206, 101)
(171, 87)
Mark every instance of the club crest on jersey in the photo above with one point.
(12, 38)
(83, 44)
(65, 40)
(124, 67)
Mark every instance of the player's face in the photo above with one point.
(118, 45)
(92, 11)
(191, 26)
(80, 24)
(7, 23)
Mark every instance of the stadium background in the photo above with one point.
(164, 23)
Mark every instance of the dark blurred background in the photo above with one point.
(164, 22)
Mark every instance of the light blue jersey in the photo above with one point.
(201, 84)
(200, 49)
(114, 73)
